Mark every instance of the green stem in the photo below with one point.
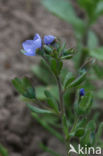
(61, 102)
(62, 109)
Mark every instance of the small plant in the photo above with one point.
(87, 41)
(70, 125)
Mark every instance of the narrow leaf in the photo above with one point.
(79, 80)
(38, 110)
(68, 79)
(47, 127)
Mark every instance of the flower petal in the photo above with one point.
(37, 41)
(29, 47)
(33, 53)
(37, 36)
(49, 39)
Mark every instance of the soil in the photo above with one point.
(19, 133)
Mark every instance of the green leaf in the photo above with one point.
(91, 125)
(86, 103)
(64, 10)
(51, 101)
(53, 104)
(3, 151)
(51, 119)
(56, 66)
(68, 79)
(65, 126)
(38, 110)
(25, 99)
(53, 65)
(68, 51)
(40, 92)
(47, 127)
(93, 41)
(30, 93)
(63, 73)
(79, 80)
(24, 87)
(89, 136)
(89, 6)
(82, 123)
(99, 132)
(97, 53)
(43, 73)
(48, 49)
(17, 84)
(54, 91)
(46, 149)
(98, 70)
(67, 57)
(80, 132)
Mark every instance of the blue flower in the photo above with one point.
(30, 46)
(82, 92)
(49, 39)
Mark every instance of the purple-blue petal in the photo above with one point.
(37, 41)
(37, 36)
(49, 39)
(30, 46)
(37, 44)
(82, 92)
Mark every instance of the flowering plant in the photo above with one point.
(68, 123)
(87, 40)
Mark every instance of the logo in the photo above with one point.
(85, 150)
